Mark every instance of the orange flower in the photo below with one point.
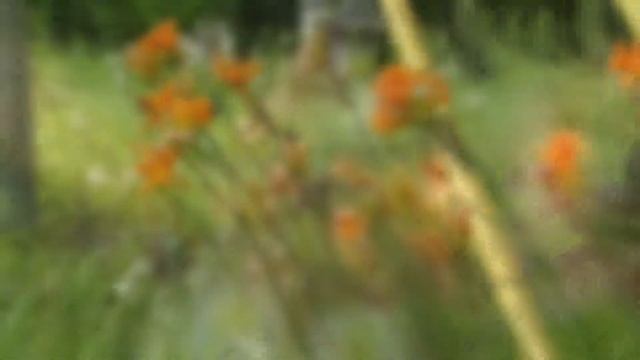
(404, 94)
(159, 103)
(147, 55)
(625, 62)
(395, 86)
(163, 38)
(173, 102)
(191, 113)
(400, 87)
(560, 158)
(236, 73)
(349, 225)
(157, 166)
(387, 119)
(350, 229)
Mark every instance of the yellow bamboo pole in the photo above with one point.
(490, 244)
(401, 23)
(488, 240)
(630, 9)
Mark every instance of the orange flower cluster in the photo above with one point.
(157, 166)
(192, 113)
(237, 74)
(349, 225)
(147, 55)
(158, 103)
(560, 162)
(404, 95)
(187, 114)
(171, 103)
(174, 106)
(625, 62)
(428, 214)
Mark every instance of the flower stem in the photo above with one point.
(262, 116)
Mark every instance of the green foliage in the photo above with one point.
(571, 25)
(118, 21)
(87, 287)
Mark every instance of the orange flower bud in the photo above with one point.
(236, 73)
(625, 62)
(350, 230)
(349, 225)
(560, 161)
(157, 167)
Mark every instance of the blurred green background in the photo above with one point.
(111, 274)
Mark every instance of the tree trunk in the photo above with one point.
(17, 197)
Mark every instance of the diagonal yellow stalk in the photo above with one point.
(488, 240)
(401, 23)
(501, 265)
(630, 9)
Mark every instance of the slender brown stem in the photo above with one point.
(262, 116)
